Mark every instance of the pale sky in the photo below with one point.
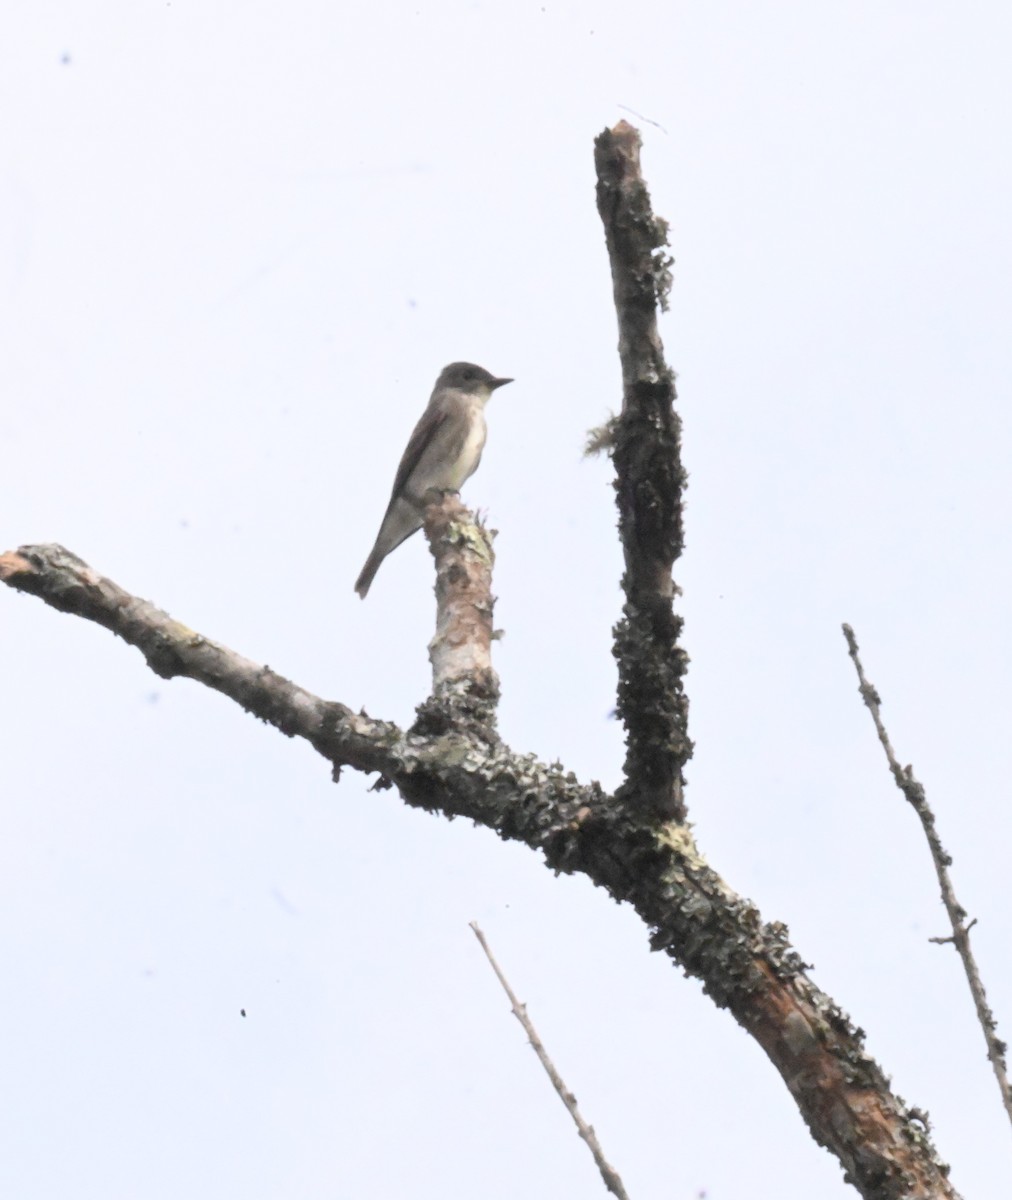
(237, 244)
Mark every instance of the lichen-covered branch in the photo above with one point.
(453, 771)
(694, 917)
(635, 844)
(465, 687)
(646, 448)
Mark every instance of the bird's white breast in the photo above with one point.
(470, 451)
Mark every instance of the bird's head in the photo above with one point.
(466, 377)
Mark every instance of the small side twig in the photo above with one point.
(914, 793)
(608, 1173)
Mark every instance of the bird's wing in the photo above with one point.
(426, 429)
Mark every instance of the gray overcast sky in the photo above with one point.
(237, 243)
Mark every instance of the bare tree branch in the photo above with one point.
(915, 795)
(611, 1177)
(471, 774)
(635, 845)
(465, 687)
(649, 482)
(695, 918)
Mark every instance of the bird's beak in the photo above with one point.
(498, 383)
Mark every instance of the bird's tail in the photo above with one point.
(368, 573)
(403, 518)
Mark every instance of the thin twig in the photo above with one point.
(914, 792)
(639, 116)
(608, 1173)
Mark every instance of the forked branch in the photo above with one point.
(635, 844)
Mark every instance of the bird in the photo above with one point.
(443, 451)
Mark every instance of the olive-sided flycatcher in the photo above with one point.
(443, 452)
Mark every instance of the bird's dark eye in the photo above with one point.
(468, 374)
